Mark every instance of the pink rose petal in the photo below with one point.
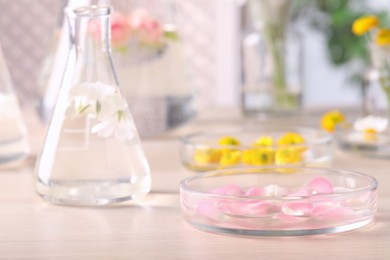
(319, 185)
(254, 192)
(233, 190)
(207, 209)
(258, 209)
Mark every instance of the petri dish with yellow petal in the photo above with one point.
(294, 146)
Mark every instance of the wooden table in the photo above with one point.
(31, 228)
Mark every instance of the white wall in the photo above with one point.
(325, 85)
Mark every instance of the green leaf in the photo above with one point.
(171, 35)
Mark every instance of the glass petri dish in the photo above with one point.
(377, 145)
(279, 201)
(201, 152)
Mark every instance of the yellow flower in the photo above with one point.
(263, 156)
(288, 156)
(291, 138)
(207, 156)
(246, 157)
(364, 24)
(228, 140)
(230, 157)
(264, 141)
(331, 119)
(383, 37)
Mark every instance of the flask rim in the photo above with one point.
(92, 10)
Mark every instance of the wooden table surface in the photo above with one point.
(31, 228)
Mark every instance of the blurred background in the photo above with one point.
(212, 32)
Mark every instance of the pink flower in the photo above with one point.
(120, 29)
(147, 29)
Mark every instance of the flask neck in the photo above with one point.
(90, 38)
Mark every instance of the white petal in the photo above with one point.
(104, 129)
(98, 127)
(107, 131)
(371, 122)
(120, 132)
(124, 131)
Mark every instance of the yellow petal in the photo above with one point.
(263, 156)
(370, 134)
(247, 156)
(207, 156)
(331, 119)
(364, 24)
(291, 138)
(264, 141)
(288, 156)
(230, 157)
(228, 140)
(383, 37)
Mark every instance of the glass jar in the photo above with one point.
(272, 57)
(92, 154)
(376, 82)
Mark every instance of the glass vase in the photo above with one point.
(374, 100)
(272, 58)
(13, 133)
(92, 154)
(376, 87)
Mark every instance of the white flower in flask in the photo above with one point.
(87, 97)
(115, 119)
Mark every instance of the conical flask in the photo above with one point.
(92, 154)
(13, 134)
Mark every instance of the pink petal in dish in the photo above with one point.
(208, 210)
(233, 190)
(319, 185)
(254, 208)
(254, 192)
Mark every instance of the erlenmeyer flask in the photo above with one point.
(13, 134)
(92, 154)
